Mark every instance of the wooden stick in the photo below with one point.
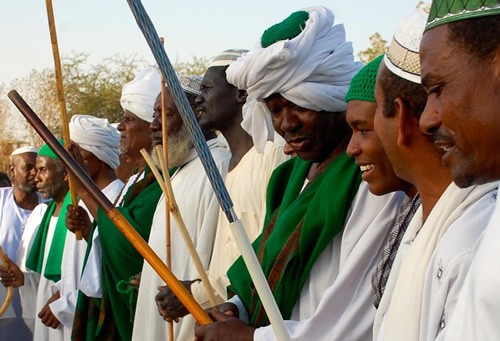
(10, 290)
(60, 96)
(167, 188)
(167, 204)
(114, 215)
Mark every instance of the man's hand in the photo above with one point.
(11, 275)
(46, 315)
(226, 326)
(169, 306)
(77, 219)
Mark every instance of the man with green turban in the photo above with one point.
(42, 247)
(460, 65)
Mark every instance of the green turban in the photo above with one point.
(363, 83)
(47, 151)
(447, 11)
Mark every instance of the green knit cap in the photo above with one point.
(447, 11)
(287, 29)
(47, 151)
(363, 84)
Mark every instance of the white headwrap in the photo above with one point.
(402, 56)
(139, 95)
(22, 150)
(312, 70)
(97, 136)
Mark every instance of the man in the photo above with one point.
(376, 168)
(103, 311)
(460, 56)
(433, 256)
(16, 204)
(317, 230)
(198, 206)
(98, 145)
(43, 244)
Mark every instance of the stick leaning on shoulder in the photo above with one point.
(114, 215)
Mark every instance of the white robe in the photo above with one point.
(246, 184)
(477, 312)
(336, 301)
(12, 221)
(71, 269)
(398, 310)
(199, 208)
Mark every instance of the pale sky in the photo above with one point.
(103, 28)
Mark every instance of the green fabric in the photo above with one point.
(362, 86)
(54, 258)
(447, 11)
(111, 318)
(287, 29)
(47, 151)
(310, 219)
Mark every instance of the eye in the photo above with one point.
(434, 90)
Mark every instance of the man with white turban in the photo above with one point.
(97, 143)
(323, 230)
(102, 310)
(16, 203)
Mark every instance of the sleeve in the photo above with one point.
(64, 308)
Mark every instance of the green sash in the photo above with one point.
(54, 257)
(298, 227)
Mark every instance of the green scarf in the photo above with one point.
(298, 227)
(111, 318)
(54, 257)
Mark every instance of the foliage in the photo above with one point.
(378, 47)
(197, 66)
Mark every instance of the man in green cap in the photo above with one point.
(43, 245)
(460, 66)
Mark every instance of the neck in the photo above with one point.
(239, 143)
(27, 201)
(104, 178)
(59, 199)
(319, 167)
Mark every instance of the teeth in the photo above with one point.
(365, 168)
(445, 148)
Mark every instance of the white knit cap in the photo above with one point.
(139, 95)
(402, 56)
(312, 70)
(97, 136)
(22, 150)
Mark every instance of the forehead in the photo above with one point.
(45, 161)
(25, 158)
(437, 52)
(215, 74)
(129, 114)
(360, 111)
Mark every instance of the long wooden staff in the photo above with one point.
(167, 189)
(60, 95)
(10, 290)
(114, 215)
(167, 201)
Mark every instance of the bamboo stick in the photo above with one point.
(10, 290)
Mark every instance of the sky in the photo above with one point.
(203, 28)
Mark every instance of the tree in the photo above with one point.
(197, 66)
(378, 47)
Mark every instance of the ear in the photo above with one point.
(405, 122)
(11, 171)
(241, 96)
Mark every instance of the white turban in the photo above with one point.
(97, 136)
(139, 95)
(312, 70)
(22, 150)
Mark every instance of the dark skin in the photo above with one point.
(220, 107)
(22, 172)
(319, 137)
(52, 182)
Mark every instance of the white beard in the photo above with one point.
(179, 146)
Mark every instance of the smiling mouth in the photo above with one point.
(366, 168)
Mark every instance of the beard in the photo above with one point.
(179, 146)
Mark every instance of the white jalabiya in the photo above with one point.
(71, 269)
(399, 313)
(199, 207)
(477, 310)
(12, 221)
(97, 136)
(312, 70)
(336, 301)
(449, 266)
(246, 184)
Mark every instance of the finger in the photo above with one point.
(219, 316)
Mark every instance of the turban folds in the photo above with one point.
(312, 70)
(97, 136)
(139, 95)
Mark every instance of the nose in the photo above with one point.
(156, 122)
(199, 99)
(121, 126)
(289, 121)
(353, 148)
(430, 120)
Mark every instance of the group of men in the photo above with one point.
(383, 226)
